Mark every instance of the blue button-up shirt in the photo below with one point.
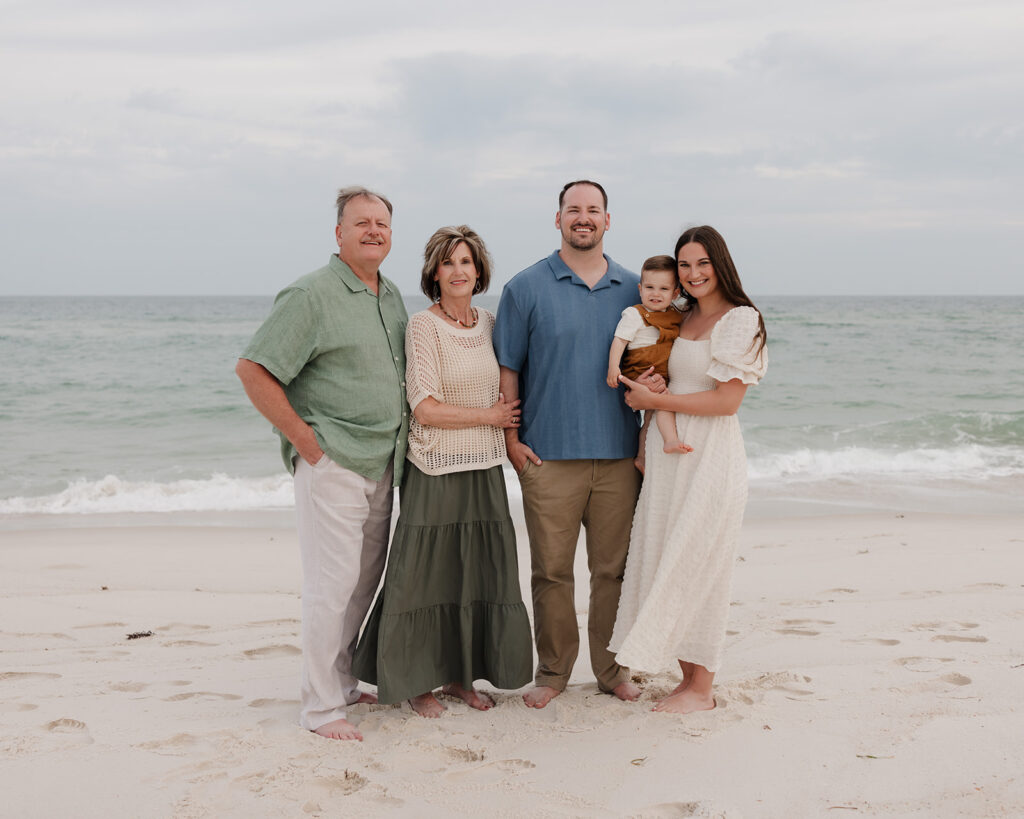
(555, 332)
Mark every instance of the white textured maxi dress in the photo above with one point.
(676, 591)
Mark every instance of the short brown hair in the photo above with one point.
(565, 190)
(661, 264)
(346, 195)
(441, 245)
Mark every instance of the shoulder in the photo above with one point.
(739, 320)
(422, 321)
(633, 311)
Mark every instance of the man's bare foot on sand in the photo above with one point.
(365, 698)
(339, 729)
(626, 691)
(675, 447)
(686, 702)
(426, 705)
(539, 696)
(470, 696)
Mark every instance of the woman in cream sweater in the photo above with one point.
(451, 611)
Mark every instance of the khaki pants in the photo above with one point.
(558, 496)
(344, 521)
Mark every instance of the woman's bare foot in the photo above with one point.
(426, 705)
(539, 696)
(339, 729)
(365, 698)
(470, 696)
(626, 691)
(673, 447)
(686, 702)
(687, 669)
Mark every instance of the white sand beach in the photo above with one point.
(875, 667)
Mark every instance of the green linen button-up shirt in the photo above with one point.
(339, 352)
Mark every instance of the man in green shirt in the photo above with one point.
(327, 369)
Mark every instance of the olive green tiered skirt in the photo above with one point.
(450, 609)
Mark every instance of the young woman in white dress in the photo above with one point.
(675, 595)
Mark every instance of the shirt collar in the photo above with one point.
(563, 271)
(352, 281)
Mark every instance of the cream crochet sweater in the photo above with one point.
(455, 366)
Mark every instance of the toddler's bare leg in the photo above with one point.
(666, 422)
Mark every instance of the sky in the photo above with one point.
(196, 147)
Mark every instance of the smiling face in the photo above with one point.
(364, 234)
(582, 218)
(658, 289)
(696, 273)
(456, 275)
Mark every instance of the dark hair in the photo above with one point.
(725, 271)
(565, 189)
(346, 195)
(661, 264)
(441, 245)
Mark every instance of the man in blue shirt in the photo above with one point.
(577, 439)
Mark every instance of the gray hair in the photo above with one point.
(346, 195)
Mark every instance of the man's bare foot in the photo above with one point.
(339, 729)
(426, 705)
(686, 702)
(365, 698)
(626, 691)
(539, 696)
(470, 696)
(673, 447)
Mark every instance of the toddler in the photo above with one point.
(645, 334)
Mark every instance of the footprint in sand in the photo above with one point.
(185, 643)
(206, 695)
(270, 702)
(800, 632)
(880, 641)
(492, 771)
(27, 675)
(9, 707)
(128, 687)
(466, 754)
(76, 730)
(281, 650)
(956, 679)
(923, 664)
(959, 638)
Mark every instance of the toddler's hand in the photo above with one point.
(613, 378)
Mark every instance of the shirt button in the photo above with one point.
(396, 358)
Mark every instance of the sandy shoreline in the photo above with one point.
(874, 666)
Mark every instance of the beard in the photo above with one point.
(584, 241)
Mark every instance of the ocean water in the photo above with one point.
(130, 404)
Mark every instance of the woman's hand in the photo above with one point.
(638, 396)
(505, 414)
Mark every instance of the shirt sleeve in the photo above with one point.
(734, 349)
(510, 333)
(629, 325)
(422, 361)
(288, 339)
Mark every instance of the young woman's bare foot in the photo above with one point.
(626, 691)
(470, 696)
(674, 447)
(426, 705)
(539, 696)
(686, 702)
(365, 698)
(339, 729)
(687, 669)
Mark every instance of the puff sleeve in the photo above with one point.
(629, 325)
(732, 348)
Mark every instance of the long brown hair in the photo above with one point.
(725, 270)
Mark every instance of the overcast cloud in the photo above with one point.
(195, 148)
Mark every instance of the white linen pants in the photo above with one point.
(344, 521)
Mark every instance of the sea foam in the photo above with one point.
(218, 493)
